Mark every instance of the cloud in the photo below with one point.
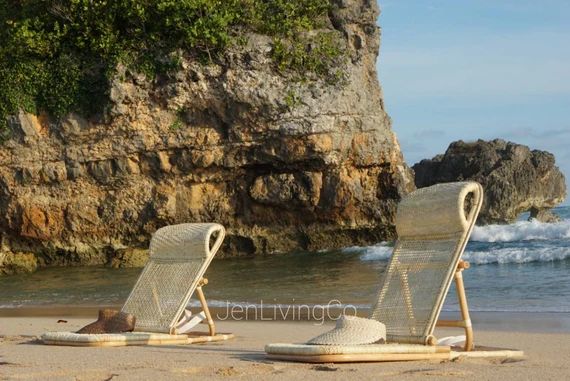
(477, 69)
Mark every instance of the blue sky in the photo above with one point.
(474, 69)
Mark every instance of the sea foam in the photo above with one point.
(379, 252)
(521, 242)
(522, 231)
(517, 255)
(481, 257)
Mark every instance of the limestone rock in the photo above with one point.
(543, 215)
(40, 222)
(288, 189)
(17, 263)
(215, 141)
(25, 126)
(130, 257)
(515, 179)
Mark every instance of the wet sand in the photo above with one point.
(23, 357)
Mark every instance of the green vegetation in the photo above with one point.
(179, 121)
(60, 55)
(292, 99)
(324, 49)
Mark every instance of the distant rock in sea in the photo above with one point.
(516, 179)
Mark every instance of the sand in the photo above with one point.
(22, 357)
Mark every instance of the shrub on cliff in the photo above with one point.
(59, 55)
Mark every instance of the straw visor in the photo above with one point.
(352, 330)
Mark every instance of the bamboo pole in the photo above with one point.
(465, 321)
(464, 310)
(202, 298)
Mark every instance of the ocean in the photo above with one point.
(523, 267)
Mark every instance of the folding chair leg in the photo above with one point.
(202, 298)
(465, 321)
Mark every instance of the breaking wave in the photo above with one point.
(522, 231)
(521, 242)
(379, 252)
(485, 255)
(517, 255)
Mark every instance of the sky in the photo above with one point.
(475, 69)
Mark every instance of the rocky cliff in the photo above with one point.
(285, 165)
(515, 179)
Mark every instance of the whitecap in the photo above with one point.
(522, 231)
(378, 252)
(478, 255)
(517, 255)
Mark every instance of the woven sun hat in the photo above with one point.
(110, 321)
(352, 330)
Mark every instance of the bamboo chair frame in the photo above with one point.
(465, 321)
(180, 255)
(410, 328)
(204, 304)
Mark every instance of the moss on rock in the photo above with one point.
(130, 257)
(61, 56)
(17, 263)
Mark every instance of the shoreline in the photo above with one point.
(22, 356)
(537, 322)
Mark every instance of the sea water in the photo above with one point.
(522, 267)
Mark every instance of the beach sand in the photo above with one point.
(22, 357)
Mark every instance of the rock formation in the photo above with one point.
(515, 179)
(543, 215)
(215, 142)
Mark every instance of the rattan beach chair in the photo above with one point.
(433, 226)
(179, 257)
